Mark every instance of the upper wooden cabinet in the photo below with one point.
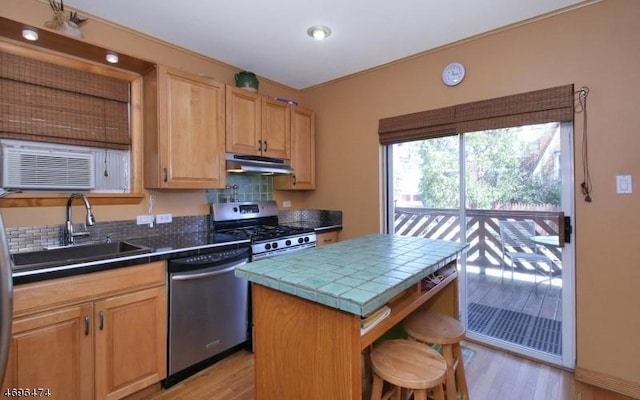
(184, 122)
(303, 152)
(257, 125)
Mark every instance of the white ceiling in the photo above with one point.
(270, 38)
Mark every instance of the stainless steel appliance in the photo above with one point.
(6, 300)
(258, 221)
(208, 310)
(257, 164)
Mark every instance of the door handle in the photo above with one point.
(223, 270)
(101, 319)
(86, 325)
(564, 229)
(266, 148)
(260, 145)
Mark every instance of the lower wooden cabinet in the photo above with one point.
(80, 346)
(51, 352)
(326, 238)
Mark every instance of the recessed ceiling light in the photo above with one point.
(319, 32)
(30, 34)
(112, 58)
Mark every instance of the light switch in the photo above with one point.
(623, 184)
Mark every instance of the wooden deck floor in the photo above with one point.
(521, 295)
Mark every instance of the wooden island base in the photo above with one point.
(306, 350)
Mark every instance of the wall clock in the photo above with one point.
(453, 74)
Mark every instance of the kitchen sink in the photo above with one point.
(75, 254)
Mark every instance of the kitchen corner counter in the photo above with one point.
(358, 275)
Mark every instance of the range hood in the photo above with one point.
(257, 164)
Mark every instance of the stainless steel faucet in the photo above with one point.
(68, 231)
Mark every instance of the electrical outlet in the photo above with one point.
(286, 204)
(145, 219)
(164, 218)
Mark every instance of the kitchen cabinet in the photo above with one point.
(257, 125)
(94, 336)
(303, 152)
(326, 238)
(184, 122)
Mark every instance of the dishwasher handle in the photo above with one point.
(224, 269)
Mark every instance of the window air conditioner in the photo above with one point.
(41, 168)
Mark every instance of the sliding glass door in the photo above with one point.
(490, 188)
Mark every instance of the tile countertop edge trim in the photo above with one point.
(346, 304)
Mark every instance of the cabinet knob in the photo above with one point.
(266, 148)
(166, 175)
(294, 179)
(259, 145)
(101, 323)
(86, 325)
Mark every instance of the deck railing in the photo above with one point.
(482, 230)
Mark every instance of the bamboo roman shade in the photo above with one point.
(45, 102)
(537, 107)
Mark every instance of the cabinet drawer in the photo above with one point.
(53, 293)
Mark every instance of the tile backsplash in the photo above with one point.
(243, 187)
(37, 237)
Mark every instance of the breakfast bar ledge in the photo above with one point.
(308, 305)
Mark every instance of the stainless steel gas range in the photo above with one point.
(258, 221)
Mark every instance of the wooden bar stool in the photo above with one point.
(407, 365)
(433, 328)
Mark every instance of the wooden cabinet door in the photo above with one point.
(184, 123)
(326, 238)
(244, 119)
(276, 129)
(190, 133)
(130, 343)
(303, 152)
(53, 351)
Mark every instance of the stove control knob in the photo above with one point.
(267, 246)
(275, 245)
(306, 239)
(235, 209)
(300, 240)
(288, 242)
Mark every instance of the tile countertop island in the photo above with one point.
(307, 308)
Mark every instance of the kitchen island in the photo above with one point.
(307, 309)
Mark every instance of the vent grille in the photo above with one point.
(24, 168)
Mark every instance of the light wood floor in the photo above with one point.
(491, 375)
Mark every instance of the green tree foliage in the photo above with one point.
(502, 166)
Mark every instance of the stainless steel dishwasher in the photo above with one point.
(208, 310)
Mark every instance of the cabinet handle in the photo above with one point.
(166, 175)
(259, 145)
(266, 148)
(86, 325)
(294, 179)
(101, 323)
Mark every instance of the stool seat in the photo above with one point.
(408, 364)
(434, 328)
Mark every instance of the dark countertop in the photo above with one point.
(319, 227)
(162, 248)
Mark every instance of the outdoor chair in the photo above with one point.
(515, 237)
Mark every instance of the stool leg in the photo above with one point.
(420, 394)
(461, 379)
(438, 393)
(376, 388)
(450, 381)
